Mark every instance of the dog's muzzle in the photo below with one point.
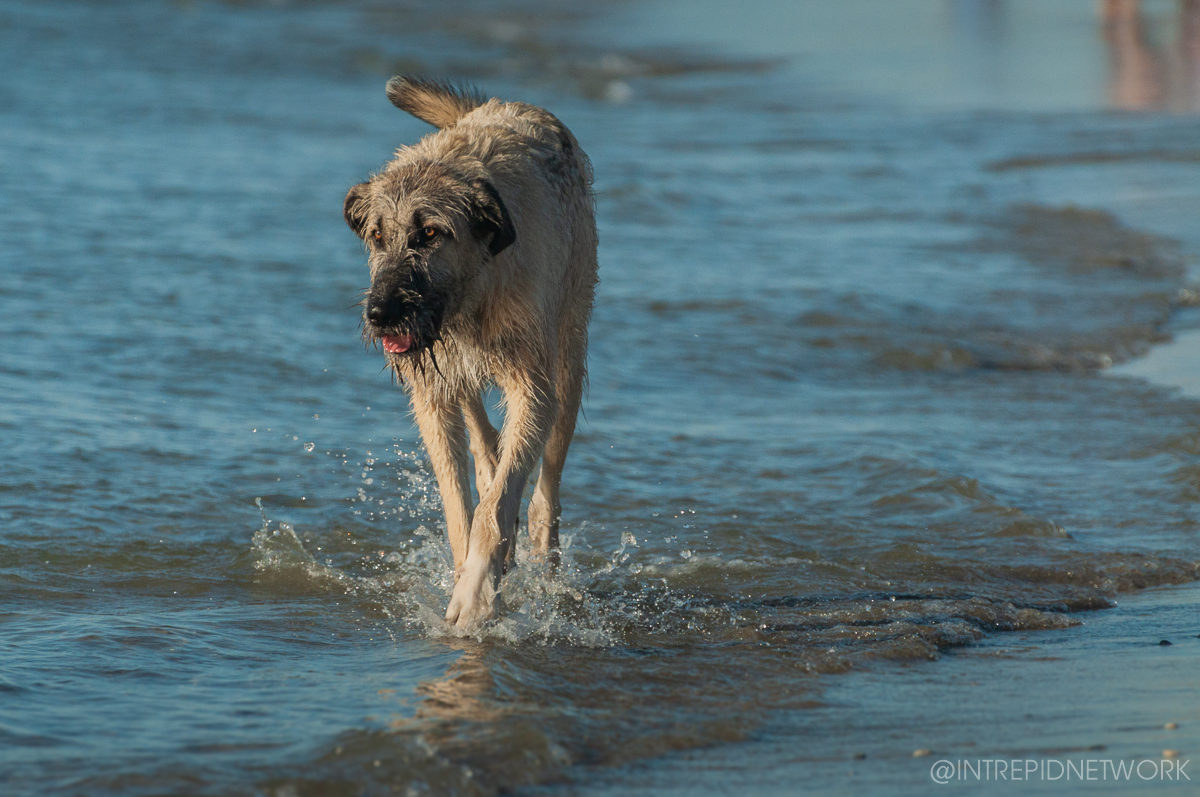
(403, 316)
(389, 312)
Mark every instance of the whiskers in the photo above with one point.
(424, 327)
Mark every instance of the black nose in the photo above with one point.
(387, 309)
(377, 313)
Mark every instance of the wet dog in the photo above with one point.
(481, 241)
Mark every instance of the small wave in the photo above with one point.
(413, 584)
(632, 595)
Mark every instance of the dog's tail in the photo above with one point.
(440, 104)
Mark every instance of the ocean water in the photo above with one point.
(864, 276)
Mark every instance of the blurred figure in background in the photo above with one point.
(1137, 75)
(1146, 77)
(1189, 54)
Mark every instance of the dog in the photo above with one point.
(481, 241)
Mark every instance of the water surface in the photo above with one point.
(848, 410)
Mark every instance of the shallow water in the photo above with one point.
(848, 403)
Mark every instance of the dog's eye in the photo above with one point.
(429, 233)
(377, 235)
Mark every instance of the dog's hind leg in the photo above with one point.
(544, 506)
(485, 441)
(441, 425)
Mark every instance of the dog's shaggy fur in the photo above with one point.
(482, 247)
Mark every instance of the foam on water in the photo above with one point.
(412, 585)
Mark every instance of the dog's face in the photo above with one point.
(430, 230)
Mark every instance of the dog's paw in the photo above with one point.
(543, 526)
(473, 601)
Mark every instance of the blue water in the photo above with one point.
(847, 405)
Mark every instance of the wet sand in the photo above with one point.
(1104, 690)
(1173, 365)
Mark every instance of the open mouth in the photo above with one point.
(406, 335)
(398, 344)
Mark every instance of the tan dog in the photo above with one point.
(481, 241)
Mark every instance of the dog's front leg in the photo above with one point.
(445, 436)
(529, 414)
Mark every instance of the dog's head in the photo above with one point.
(431, 229)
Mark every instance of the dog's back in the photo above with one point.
(446, 106)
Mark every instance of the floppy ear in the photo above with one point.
(489, 218)
(355, 208)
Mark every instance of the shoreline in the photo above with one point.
(1169, 365)
(1056, 698)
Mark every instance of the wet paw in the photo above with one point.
(473, 601)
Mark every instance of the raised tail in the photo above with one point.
(441, 104)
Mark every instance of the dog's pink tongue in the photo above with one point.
(397, 344)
